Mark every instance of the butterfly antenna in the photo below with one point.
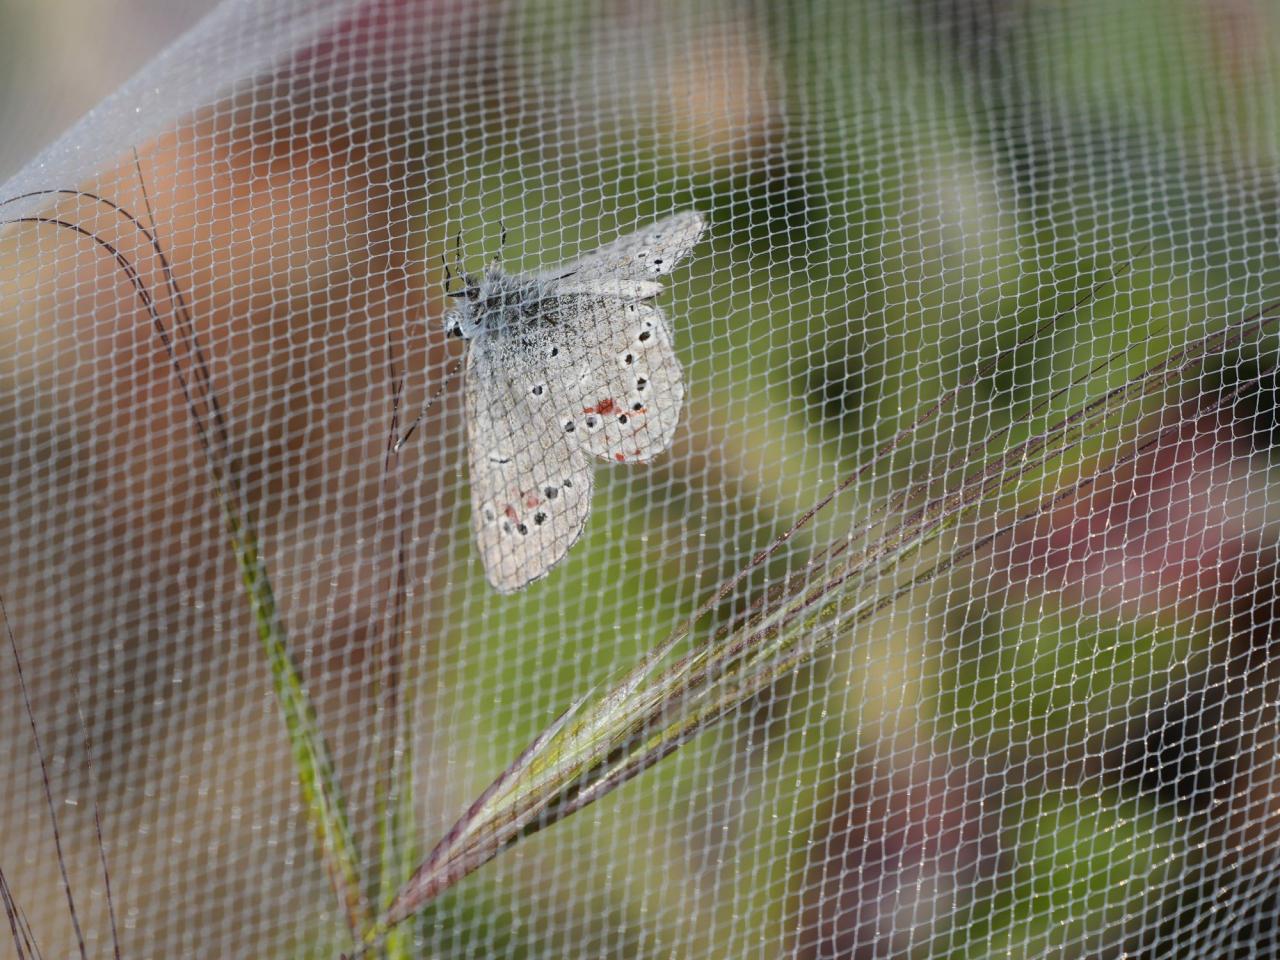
(449, 375)
(448, 277)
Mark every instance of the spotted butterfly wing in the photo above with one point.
(619, 385)
(590, 373)
(629, 266)
(530, 486)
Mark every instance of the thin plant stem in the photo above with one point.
(628, 725)
(97, 829)
(394, 783)
(318, 781)
(44, 780)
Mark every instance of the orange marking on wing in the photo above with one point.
(619, 457)
(510, 511)
(606, 405)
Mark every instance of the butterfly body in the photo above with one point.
(497, 301)
(564, 367)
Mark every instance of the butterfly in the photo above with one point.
(564, 367)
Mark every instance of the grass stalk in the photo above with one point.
(629, 724)
(395, 705)
(325, 803)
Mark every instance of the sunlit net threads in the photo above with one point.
(565, 365)
(899, 192)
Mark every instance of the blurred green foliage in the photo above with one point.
(943, 184)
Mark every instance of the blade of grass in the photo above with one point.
(627, 726)
(312, 758)
(394, 783)
(318, 781)
(18, 925)
(97, 829)
(24, 944)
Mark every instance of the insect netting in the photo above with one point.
(932, 616)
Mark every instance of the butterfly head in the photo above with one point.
(463, 320)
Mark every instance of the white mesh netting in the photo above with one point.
(985, 283)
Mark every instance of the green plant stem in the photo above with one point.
(624, 728)
(320, 788)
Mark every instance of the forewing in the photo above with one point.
(617, 386)
(632, 262)
(530, 486)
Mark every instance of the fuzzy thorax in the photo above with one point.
(494, 301)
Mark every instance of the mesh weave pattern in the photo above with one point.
(938, 230)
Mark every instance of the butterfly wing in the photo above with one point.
(530, 486)
(628, 267)
(597, 376)
(619, 388)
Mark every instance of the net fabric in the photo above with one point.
(1060, 745)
